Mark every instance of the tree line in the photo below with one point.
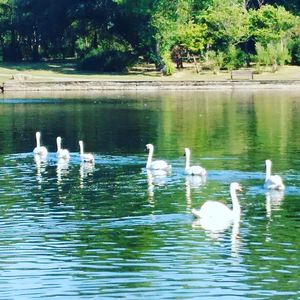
(112, 35)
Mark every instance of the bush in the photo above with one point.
(273, 55)
(108, 59)
(295, 51)
(169, 67)
(234, 58)
(214, 61)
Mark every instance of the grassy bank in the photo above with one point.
(65, 70)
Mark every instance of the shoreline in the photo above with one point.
(105, 85)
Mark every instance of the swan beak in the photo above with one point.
(240, 188)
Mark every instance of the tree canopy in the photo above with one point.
(145, 29)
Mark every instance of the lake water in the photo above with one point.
(72, 231)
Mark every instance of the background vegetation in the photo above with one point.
(112, 35)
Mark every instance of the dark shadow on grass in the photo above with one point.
(67, 67)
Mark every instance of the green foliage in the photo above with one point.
(227, 23)
(281, 53)
(214, 60)
(294, 45)
(295, 51)
(262, 57)
(271, 24)
(33, 30)
(110, 58)
(169, 67)
(231, 59)
(166, 19)
(234, 58)
(192, 36)
(273, 54)
(82, 46)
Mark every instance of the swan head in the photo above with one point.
(80, 143)
(187, 152)
(149, 147)
(268, 163)
(38, 134)
(236, 186)
(58, 140)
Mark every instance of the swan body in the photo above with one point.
(192, 170)
(157, 164)
(272, 182)
(61, 153)
(85, 157)
(39, 150)
(214, 211)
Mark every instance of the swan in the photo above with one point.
(61, 153)
(273, 182)
(192, 170)
(85, 157)
(39, 150)
(160, 165)
(215, 212)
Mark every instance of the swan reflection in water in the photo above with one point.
(274, 200)
(192, 182)
(217, 232)
(85, 170)
(155, 178)
(41, 164)
(62, 169)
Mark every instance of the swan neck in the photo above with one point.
(58, 142)
(187, 160)
(268, 171)
(38, 142)
(149, 160)
(81, 148)
(236, 208)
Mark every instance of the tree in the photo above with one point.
(192, 36)
(222, 30)
(272, 24)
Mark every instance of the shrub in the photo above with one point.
(234, 58)
(169, 67)
(273, 54)
(295, 51)
(114, 58)
(214, 60)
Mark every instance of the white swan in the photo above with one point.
(157, 164)
(192, 170)
(61, 153)
(39, 150)
(273, 182)
(85, 157)
(215, 212)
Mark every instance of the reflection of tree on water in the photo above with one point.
(41, 164)
(86, 169)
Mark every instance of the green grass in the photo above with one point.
(66, 70)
